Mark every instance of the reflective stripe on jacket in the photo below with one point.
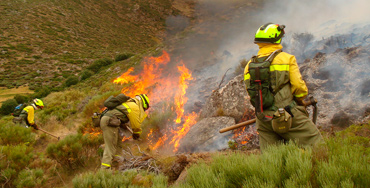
(30, 111)
(134, 110)
(286, 80)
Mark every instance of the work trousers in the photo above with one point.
(112, 142)
(303, 130)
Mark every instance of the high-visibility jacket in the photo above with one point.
(131, 110)
(286, 80)
(29, 113)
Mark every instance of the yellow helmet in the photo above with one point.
(38, 103)
(269, 33)
(145, 100)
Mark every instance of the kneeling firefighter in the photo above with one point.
(129, 110)
(276, 89)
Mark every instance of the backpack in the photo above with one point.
(113, 102)
(260, 92)
(18, 109)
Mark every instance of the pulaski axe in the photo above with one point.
(310, 101)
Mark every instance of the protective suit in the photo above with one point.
(288, 90)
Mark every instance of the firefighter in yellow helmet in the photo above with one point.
(276, 89)
(28, 113)
(133, 111)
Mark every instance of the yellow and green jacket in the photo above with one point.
(133, 111)
(286, 80)
(29, 114)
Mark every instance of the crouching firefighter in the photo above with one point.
(27, 115)
(130, 110)
(276, 89)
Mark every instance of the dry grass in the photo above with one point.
(6, 93)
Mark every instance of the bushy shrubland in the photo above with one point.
(11, 134)
(123, 56)
(342, 162)
(8, 106)
(71, 80)
(99, 64)
(13, 159)
(86, 74)
(74, 150)
(131, 178)
(21, 98)
(30, 178)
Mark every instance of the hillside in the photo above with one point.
(44, 42)
(187, 55)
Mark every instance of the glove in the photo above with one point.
(35, 126)
(299, 101)
(136, 136)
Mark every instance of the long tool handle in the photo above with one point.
(245, 123)
(48, 133)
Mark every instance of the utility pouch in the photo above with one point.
(96, 119)
(114, 121)
(282, 121)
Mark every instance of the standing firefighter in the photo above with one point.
(27, 115)
(276, 90)
(129, 110)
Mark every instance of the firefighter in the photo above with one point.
(281, 114)
(132, 111)
(28, 113)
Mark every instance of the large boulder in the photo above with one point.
(231, 100)
(205, 136)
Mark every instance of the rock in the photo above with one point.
(231, 100)
(205, 136)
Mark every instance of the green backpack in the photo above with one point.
(260, 92)
(18, 109)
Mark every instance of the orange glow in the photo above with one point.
(190, 120)
(125, 138)
(162, 84)
(180, 98)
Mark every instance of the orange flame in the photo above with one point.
(180, 98)
(182, 131)
(160, 87)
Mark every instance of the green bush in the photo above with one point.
(13, 160)
(30, 178)
(131, 178)
(21, 98)
(123, 56)
(8, 106)
(72, 80)
(86, 74)
(99, 64)
(11, 134)
(74, 150)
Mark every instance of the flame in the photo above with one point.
(180, 98)
(190, 120)
(161, 86)
(125, 138)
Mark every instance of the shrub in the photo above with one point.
(30, 178)
(11, 134)
(123, 56)
(74, 150)
(72, 80)
(8, 106)
(86, 74)
(130, 178)
(21, 98)
(99, 64)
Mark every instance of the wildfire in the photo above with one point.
(162, 86)
(180, 98)
(181, 132)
